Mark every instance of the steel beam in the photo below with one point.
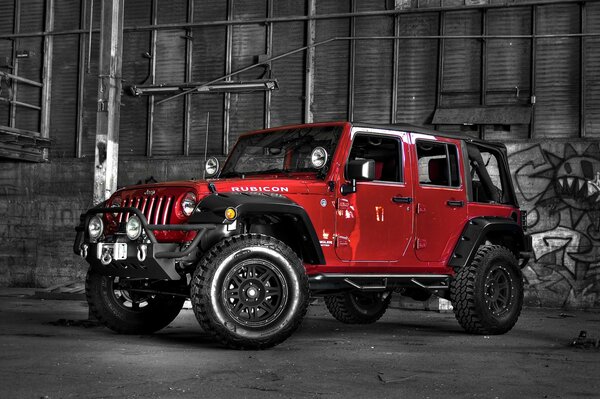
(582, 77)
(269, 52)
(189, 46)
(395, 72)
(84, 39)
(532, 76)
(309, 88)
(109, 100)
(352, 69)
(228, 67)
(150, 119)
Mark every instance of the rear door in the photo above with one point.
(440, 196)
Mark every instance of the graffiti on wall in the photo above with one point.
(560, 188)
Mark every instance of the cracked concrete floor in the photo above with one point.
(408, 354)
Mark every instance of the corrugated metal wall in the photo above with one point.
(557, 71)
(367, 95)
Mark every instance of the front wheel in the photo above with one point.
(122, 306)
(250, 292)
(487, 295)
(358, 307)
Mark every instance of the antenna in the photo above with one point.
(205, 146)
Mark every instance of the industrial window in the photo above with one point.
(438, 164)
(385, 151)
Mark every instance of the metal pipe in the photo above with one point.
(47, 75)
(352, 67)
(20, 79)
(532, 70)
(309, 92)
(300, 18)
(81, 71)
(151, 104)
(483, 72)
(91, 28)
(15, 62)
(21, 104)
(395, 72)
(228, 67)
(189, 46)
(269, 52)
(441, 52)
(582, 79)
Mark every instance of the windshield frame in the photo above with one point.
(301, 131)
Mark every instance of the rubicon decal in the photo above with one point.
(272, 189)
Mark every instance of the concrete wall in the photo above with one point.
(558, 182)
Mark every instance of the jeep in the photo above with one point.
(350, 212)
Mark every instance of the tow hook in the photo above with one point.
(142, 252)
(84, 251)
(106, 257)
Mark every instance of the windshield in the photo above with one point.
(281, 151)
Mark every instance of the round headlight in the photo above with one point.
(211, 167)
(318, 157)
(188, 204)
(95, 227)
(133, 228)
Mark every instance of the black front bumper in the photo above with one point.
(158, 260)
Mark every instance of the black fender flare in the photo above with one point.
(211, 209)
(480, 229)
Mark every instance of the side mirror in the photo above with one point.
(358, 170)
(361, 169)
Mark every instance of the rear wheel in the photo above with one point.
(119, 306)
(487, 295)
(250, 292)
(358, 307)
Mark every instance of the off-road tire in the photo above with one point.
(128, 313)
(250, 292)
(487, 295)
(358, 307)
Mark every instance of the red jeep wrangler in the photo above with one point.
(352, 212)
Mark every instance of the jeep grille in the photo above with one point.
(157, 209)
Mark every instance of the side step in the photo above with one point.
(327, 283)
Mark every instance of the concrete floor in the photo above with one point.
(408, 354)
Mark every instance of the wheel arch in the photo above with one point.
(276, 216)
(478, 231)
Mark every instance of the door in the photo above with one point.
(440, 197)
(375, 223)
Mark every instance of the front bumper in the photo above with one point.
(135, 259)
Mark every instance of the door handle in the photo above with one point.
(456, 204)
(402, 200)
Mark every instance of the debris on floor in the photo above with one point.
(583, 342)
(72, 290)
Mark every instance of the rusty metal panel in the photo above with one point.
(32, 16)
(137, 12)
(63, 108)
(417, 69)
(508, 60)
(90, 91)
(249, 41)
(332, 62)
(373, 66)
(66, 14)
(499, 114)
(208, 63)
(592, 72)
(168, 117)
(134, 110)
(288, 102)
(462, 60)
(7, 11)
(172, 11)
(557, 73)
(30, 68)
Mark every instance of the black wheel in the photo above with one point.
(487, 295)
(358, 307)
(250, 292)
(117, 305)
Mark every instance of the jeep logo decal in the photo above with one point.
(149, 192)
(253, 189)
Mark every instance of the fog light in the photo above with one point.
(230, 214)
(95, 227)
(133, 228)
